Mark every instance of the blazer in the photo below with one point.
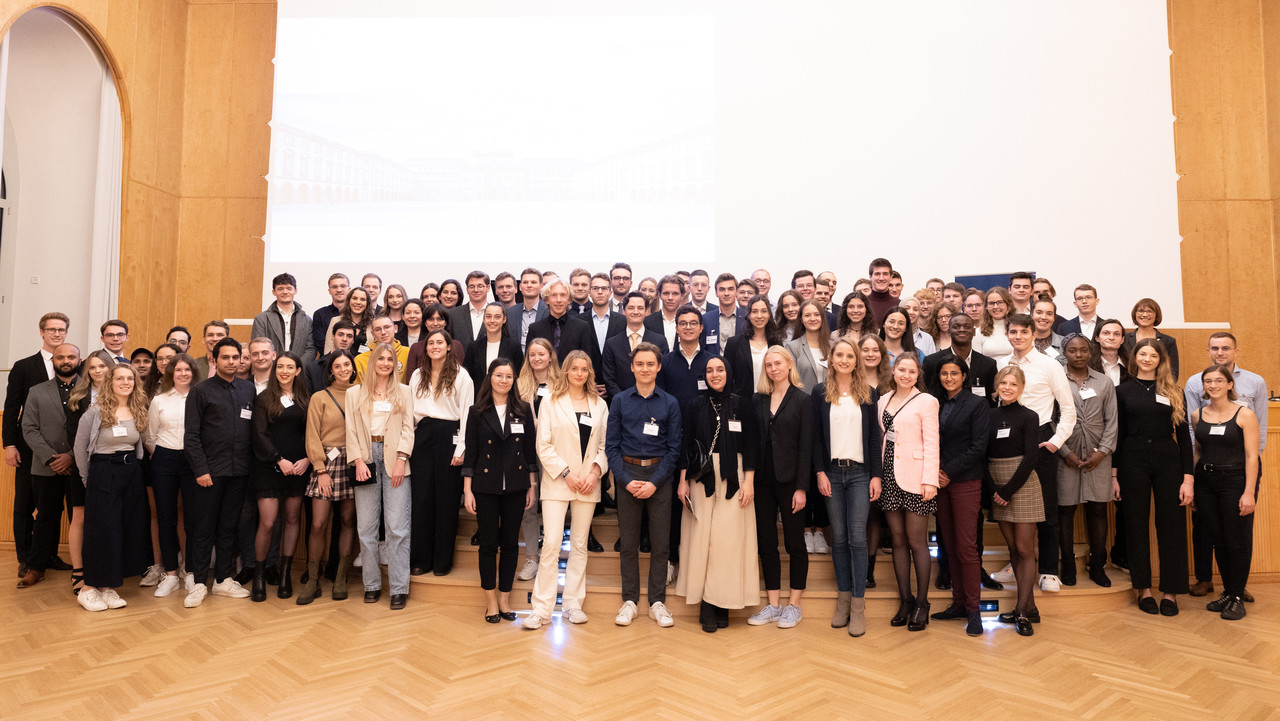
(822, 432)
(617, 323)
(398, 437)
(515, 316)
(982, 374)
(811, 374)
(653, 322)
(559, 444)
(87, 440)
(915, 458)
(616, 362)
(26, 374)
(1169, 343)
(460, 321)
(792, 444)
(44, 426)
(499, 459)
(474, 361)
(576, 334)
(711, 328)
(737, 353)
(270, 324)
(962, 446)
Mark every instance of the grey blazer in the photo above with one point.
(44, 426)
(811, 374)
(87, 440)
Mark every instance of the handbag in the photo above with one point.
(373, 467)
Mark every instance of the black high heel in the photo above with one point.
(904, 612)
(919, 617)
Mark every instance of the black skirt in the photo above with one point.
(117, 521)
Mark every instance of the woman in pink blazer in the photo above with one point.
(909, 425)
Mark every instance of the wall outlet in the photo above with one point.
(35, 280)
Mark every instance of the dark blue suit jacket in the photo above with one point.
(711, 326)
(516, 313)
(617, 360)
(822, 433)
(963, 436)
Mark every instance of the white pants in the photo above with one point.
(575, 577)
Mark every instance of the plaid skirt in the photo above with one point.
(341, 474)
(1027, 505)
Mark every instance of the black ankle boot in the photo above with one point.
(919, 617)
(722, 617)
(259, 592)
(904, 612)
(707, 617)
(285, 589)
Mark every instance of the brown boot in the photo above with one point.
(340, 579)
(840, 618)
(311, 589)
(857, 616)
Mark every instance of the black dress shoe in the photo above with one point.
(943, 583)
(1068, 579)
(419, 571)
(373, 596)
(1099, 577)
(593, 545)
(1247, 597)
(974, 627)
(904, 612)
(495, 618)
(57, 564)
(273, 575)
(245, 576)
(871, 574)
(441, 571)
(475, 538)
(1120, 562)
(1168, 607)
(954, 612)
(1012, 616)
(398, 601)
(1149, 605)
(507, 615)
(1023, 626)
(645, 546)
(919, 617)
(990, 583)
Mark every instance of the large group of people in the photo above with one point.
(710, 411)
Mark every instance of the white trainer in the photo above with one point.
(528, 571)
(152, 577)
(91, 599)
(196, 596)
(168, 585)
(112, 599)
(671, 573)
(229, 588)
(1004, 575)
(808, 541)
(820, 543)
(1050, 583)
(189, 582)
(790, 617)
(534, 622)
(658, 612)
(626, 614)
(574, 615)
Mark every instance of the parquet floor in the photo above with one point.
(233, 659)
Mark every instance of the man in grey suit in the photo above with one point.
(44, 428)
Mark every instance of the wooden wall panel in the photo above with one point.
(243, 257)
(254, 33)
(1203, 225)
(1196, 85)
(207, 108)
(172, 43)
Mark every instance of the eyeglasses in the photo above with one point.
(54, 330)
(1214, 381)
(113, 336)
(688, 324)
(621, 277)
(599, 287)
(477, 287)
(996, 302)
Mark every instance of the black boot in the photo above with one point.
(871, 572)
(285, 589)
(593, 545)
(259, 592)
(707, 617)
(722, 617)
(904, 611)
(919, 617)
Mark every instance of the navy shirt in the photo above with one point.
(625, 436)
(320, 325)
(679, 377)
(218, 425)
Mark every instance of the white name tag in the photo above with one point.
(1162, 400)
(363, 349)
(712, 339)
(517, 428)
(891, 435)
(119, 432)
(545, 392)
(1002, 433)
(587, 421)
(1218, 431)
(246, 414)
(979, 391)
(1088, 393)
(455, 439)
(333, 453)
(1051, 352)
(735, 426)
(702, 385)
(286, 401)
(651, 429)
(382, 406)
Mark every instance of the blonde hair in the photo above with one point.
(527, 383)
(1010, 370)
(371, 379)
(561, 385)
(766, 383)
(137, 401)
(860, 392)
(83, 392)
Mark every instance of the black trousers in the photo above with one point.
(171, 477)
(1231, 535)
(498, 518)
(117, 521)
(217, 521)
(630, 509)
(437, 492)
(49, 493)
(1047, 530)
(773, 498)
(815, 506)
(1147, 470)
(1202, 543)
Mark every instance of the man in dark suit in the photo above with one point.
(605, 323)
(467, 320)
(565, 332)
(530, 309)
(663, 322)
(25, 375)
(1085, 298)
(982, 370)
(617, 350)
(723, 317)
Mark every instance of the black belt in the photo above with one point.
(1222, 468)
(845, 463)
(121, 457)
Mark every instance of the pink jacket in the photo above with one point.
(915, 458)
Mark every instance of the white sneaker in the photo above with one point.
(671, 573)
(808, 541)
(528, 571)
(189, 582)
(574, 615)
(1004, 575)
(767, 614)
(112, 599)
(534, 622)
(196, 596)
(1050, 583)
(91, 599)
(152, 577)
(626, 614)
(359, 561)
(658, 612)
(229, 588)
(820, 543)
(790, 617)
(168, 585)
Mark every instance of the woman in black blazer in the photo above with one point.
(848, 467)
(1146, 316)
(962, 439)
(745, 351)
(498, 476)
(784, 417)
(496, 343)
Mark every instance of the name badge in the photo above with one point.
(517, 428)
(1051, 352)
(246, 414)
(364, 348)
(587, 421)
(119, 432)
(891, 435)
(979, 391)
(1088, 393)
(286, 401)
(712, 339)
(544, 391)
(702, 385)
(1162, 400)
(455, 439)
(333, 453)
(1218, 431)
(735, 426)
(1002, 433)
(382, 406)
(651, 429)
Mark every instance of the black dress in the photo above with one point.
(285, 437)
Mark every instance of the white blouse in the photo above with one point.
(166, 421)
(846, 430)
(447, 406)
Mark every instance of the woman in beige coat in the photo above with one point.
(571, 432)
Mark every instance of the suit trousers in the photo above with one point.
(575, 573)
(47, 526)
(436, 494)
(171, 476)
(959, 509)
(1150, 469)
(773, 498)
(630, 509)
(498, 525)
(218, 518)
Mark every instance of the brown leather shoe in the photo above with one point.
(31, 578)
(1247, 597)
(1201, 588)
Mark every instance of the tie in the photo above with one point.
(635, 340)
(557, 343)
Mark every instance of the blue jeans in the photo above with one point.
(396, 507)
(848, 506)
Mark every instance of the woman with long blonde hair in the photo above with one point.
(94, 368)
(540, 374)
